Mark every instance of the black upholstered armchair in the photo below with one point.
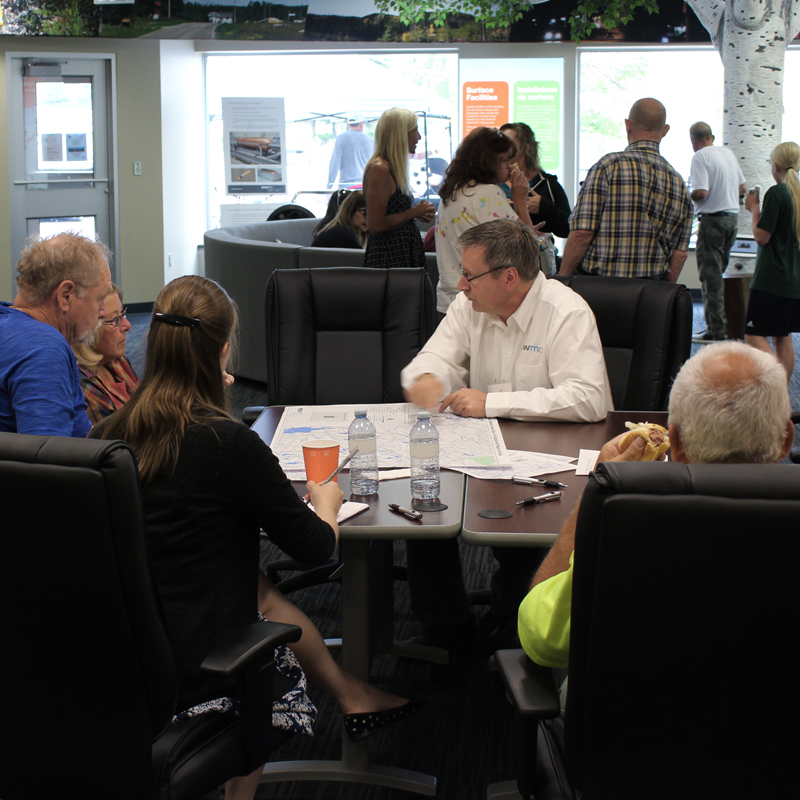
(646, 331)
(682, 663)
(342, 334)
(87, 673)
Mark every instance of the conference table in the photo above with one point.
(365, 543)
(538, 525)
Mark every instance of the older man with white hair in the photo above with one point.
(728, 405)
(63, 284)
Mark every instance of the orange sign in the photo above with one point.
(484, 104)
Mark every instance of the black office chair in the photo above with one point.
(682, 667)
(291, 211)
(341, 335)
(88, 679)
(645, 328)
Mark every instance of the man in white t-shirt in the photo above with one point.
(513, 344)
(716, 182)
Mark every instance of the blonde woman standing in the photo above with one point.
(394, 239)
(774, 306)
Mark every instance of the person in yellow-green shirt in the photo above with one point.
(722, 381)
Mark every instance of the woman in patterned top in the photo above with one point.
(470, 195)
(394, 239)
(107, 376)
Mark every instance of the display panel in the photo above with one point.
(499, 90)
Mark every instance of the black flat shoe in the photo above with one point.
(359, 726)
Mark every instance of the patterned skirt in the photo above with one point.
(294, 712)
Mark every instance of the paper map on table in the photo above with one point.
(523, 462)
(463, 442)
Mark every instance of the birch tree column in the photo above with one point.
(751, 38)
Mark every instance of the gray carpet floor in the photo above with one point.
(463, 736)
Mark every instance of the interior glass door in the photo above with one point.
(59, 152)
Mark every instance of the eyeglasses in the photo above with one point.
(117, 321)
(362, 211)
(470, 278)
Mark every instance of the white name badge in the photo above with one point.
(499, 387)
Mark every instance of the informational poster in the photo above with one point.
(499, 90)
(76, 147)
(245, 213)
(52, 147)
(484, 104)
(538, 103)
(254, 141)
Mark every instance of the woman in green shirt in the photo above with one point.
(774, 307)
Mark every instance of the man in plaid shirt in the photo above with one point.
(633, 217)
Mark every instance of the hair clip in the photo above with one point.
(176, 319)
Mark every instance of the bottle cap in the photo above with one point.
(423, 415)
(360, 412)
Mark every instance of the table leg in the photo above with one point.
(359, 557)
(733, 299)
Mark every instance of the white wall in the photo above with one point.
(183, 138)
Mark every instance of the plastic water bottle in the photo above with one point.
(424, 448)
(364, 465)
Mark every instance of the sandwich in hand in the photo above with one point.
(656, 439)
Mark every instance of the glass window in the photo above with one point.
(791, 110)
(50, 226)
(321, 92)
(61, 112)
(612, 80)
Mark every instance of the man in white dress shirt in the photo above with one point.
(513, 344)
(516, 345)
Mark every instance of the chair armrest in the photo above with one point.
(531, 688)
(255, 642)
(250, 414)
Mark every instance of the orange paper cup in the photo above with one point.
(321, 457)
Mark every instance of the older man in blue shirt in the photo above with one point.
(63, 284)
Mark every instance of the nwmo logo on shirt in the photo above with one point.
(533, 348)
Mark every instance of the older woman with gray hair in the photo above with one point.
(108, 378)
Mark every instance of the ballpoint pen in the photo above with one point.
(542, 498)
(340, 467)
(539, 482)
(406, 512)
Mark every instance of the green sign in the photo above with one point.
(538, 104)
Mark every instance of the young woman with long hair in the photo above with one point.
(394, 239)
(774, 305)
(470, 195)
(348, 228)
(209, 486)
